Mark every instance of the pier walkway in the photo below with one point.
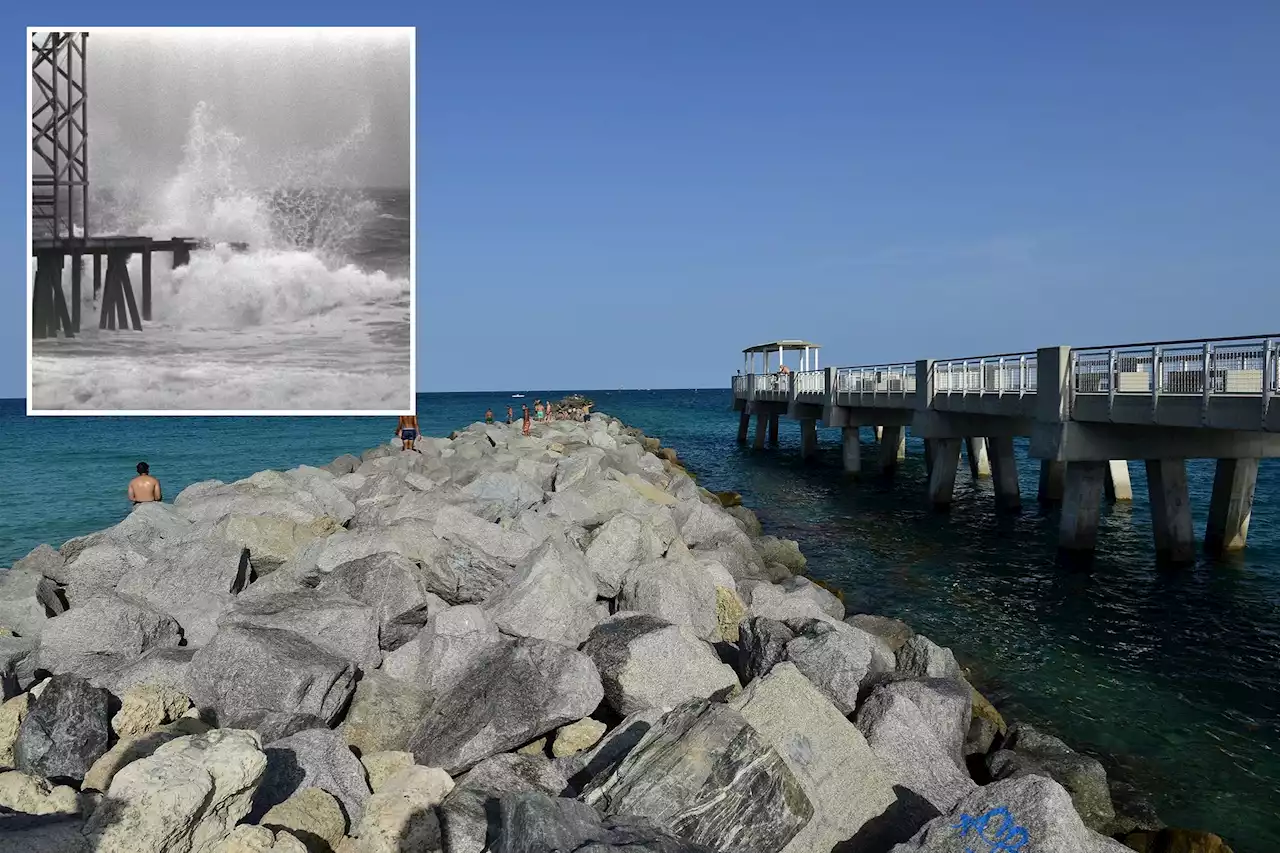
(1087, 411)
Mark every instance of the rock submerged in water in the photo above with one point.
(502, 643)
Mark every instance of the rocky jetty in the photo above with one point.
(502, 643)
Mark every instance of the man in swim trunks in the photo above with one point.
(144, 488)
(407, 430)
(488, 416)
(538, 412)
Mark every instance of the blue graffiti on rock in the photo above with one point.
(994, 832)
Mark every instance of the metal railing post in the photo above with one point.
(1022, 375)
(1113, 379)
(1156, 381)
(1207, 390)
(1270, 376)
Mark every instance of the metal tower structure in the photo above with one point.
(59, 136)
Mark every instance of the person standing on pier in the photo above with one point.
(407, 430)
(144, 488)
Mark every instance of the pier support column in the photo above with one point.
(929, 454)
(744, 424)
(77, 273)
(976, 449)
(892, 442)
(1119, 486)
(852, 450)
(1052, 474)
(942, 474)
(146, 284)
(762, 424)
(1081, 504)
(1004, 473)
(1231, 505)
(1171, 510)
(879, 433)
(808, 438)
(773, 428)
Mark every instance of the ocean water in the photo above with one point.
(313, 316)
(1169, 676)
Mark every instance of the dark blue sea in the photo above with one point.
(1170, 676)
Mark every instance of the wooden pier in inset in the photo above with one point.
(119, 306)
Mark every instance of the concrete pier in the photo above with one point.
(808, 438)
(1081, 505)
(893, 447)
(1052, 481)
(1171, 510)
(1118, 486)
(942, 474)
(744, 425)
(1230, 505)
(1004, 472)
(852, 447)
(975, 449)
(1085, 411)
(762, 425)
(773, 428)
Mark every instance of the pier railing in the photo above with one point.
(811, 382)
(1217, 367)
(898, 379)
(1008, 373)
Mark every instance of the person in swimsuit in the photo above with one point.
(510, 415)
(144, 488)
(538, 412)
(528, 423)
(407, 430)
(488, 416)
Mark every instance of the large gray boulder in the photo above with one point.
(149, 528)
(840, 659)
(680, 591)
(27, 601)
(1027, 751)
(65, 730)
(704, 773)
(902, 739)
(792, 598)
(454, 524)
(333, 621)
(312, 758)
(452, 642)
(469, 815)
(895, 632)
(270, 541)
(107, 632)
(388, 582)
(580, 467)
(621, 544)
(515, 692)
(501, 494)
(830, 758)
(162, 666)
(617, 742)
(46, 560)
(194, 582)
(784, 552)
(1028, 813)
(248, 673)
(646, 662)
(701, 524)
(762, 644)
(946, 705)
(97, 569)
(920, 657)
(17, 665)
(462, 574)
(533, 822)
(552, 597)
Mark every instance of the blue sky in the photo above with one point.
(625, 195)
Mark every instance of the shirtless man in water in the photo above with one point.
(407, 429)
(144, 488)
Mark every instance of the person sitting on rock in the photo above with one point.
(144, 488)
(488, 416)
(407, 430)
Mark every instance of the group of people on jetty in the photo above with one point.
(572, 409)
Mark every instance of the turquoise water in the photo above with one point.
(1170, 676)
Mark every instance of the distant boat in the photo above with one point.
(517, 395)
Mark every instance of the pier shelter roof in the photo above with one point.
(781, 345)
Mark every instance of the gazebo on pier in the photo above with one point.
(808, 355)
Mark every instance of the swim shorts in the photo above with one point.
(408, 434)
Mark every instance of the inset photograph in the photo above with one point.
(221, 221)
